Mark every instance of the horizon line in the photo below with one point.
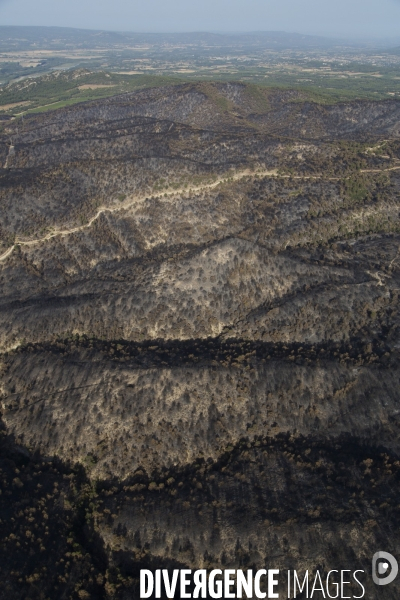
(327, 36)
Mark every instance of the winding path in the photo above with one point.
(207, 186)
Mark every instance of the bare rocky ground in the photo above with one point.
(199, 335)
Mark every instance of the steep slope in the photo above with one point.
(199, 306)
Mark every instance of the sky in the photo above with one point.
(375, 18)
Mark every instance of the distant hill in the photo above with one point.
(22, 38)
(395, 51)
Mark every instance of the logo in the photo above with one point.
(384, 563)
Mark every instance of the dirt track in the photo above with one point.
(132, 201)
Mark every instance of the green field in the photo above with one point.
(49, 92)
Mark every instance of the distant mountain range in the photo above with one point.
(21, 38)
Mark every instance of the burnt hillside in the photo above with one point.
(199, 337)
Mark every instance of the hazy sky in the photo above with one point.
(361, 17)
